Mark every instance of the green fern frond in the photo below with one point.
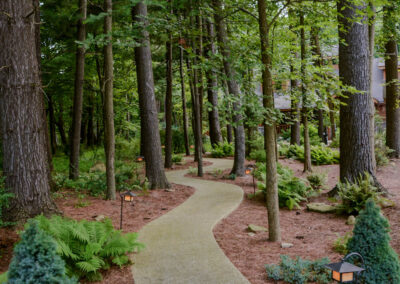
(121, 260)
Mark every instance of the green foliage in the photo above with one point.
(312, 132)
(176, 158)
(382, 151)
(35, 259)
(258, 155)
(355, 195)
(222, 150)
(4, 278)
(126, 149)
(340, 244)
(192, 171)
(87, 159)
(299, 270)
(291, 190)
(371, 239)
(317, 180)
(320, 154)
(89, 246)
(4, 201)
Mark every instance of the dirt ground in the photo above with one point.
(312, 234)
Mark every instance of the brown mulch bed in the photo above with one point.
(145, 208)
(311, 233)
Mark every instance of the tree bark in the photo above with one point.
(147, 102)
(184, 115)
(392, 85)
(212, 89)
(356, 115)
(168, 101)
(233, 87)
(269, 128)
(109, 132)
(78, 94)
(25, 163)
(307, 147)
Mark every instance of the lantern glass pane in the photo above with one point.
(336, 276)
(128, 198)
(248, 172)
(347, 277)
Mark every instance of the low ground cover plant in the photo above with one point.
(317, 180)
(4, 201)
(89, 246)
(222, 150)
(320, 154)
(371, 239)
(355, 195)
(291, 190)
(299, 270)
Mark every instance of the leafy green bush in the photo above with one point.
(221, 150)
(4, 278)
(312, 132)
(340, 244)
(355, 195)
(89, 246)
(127, 149)
(299, 270)
(371, 239)
(258, 155)
(291, 190)
(317, 180)
(35, 259)
(192, 171)
(320, 154)
(176, 158)
(382, 151)
(4, 201)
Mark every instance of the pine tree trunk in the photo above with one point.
(233, 87)
(269, 128)
(392, 87)
(184, 115)
(356, 115)
(25, 162)
(78, 94)
(307, 147)
(109, 133)
(212, 89)
(147, 102)
(168, 103)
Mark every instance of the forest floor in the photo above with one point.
(312, 234)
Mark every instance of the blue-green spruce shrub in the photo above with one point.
(35, 260)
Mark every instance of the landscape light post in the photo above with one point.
(128, 197)
(345, 272)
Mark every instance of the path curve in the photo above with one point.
(180, 245)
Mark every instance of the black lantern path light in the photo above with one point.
(250, 170)
(139, 159)
(128, 197)
(345, 272)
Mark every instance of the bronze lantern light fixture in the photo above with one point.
(126, 196)
(250, 170)
(139, 159)
(345, 272)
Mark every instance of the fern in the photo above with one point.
(88, 246)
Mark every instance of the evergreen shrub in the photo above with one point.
(371, 239)
(299, 270)
(222, 150)
(35, 259)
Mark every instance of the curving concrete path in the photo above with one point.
(180, 245)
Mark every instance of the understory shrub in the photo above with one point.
(291, 190)
(89, 246)
(176, 158)
(355, 195)
(222, 150)
(312, 132)
(258, 155)
(299, 270)
(317, 180)
(127, 149)
(4, 278)
(320, 154)
(340, 244)
(35, 259)
(371, 239)
(382, 151)
(4, 201)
